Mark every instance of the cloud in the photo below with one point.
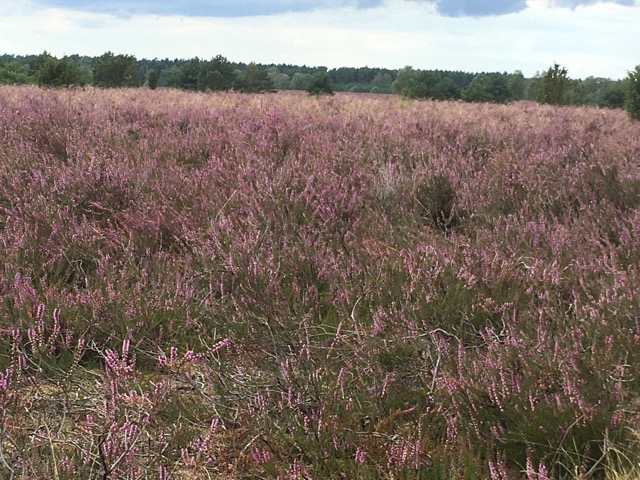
(345, 33)
(250, 8)
(206, 8)
(578, 3)
(484, 8)
(479, 8)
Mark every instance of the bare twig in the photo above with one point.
(605, 452)
(3, 460)
(435, 372)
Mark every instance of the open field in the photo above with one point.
(278, 286)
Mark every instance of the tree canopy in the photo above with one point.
(554, 87)
(632, 104)
(425, 84)
(493, 88)
(219, 74)
(254, 80)
(114, 71)
(13, 73)
(53, 72)
(320, 84)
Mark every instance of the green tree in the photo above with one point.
(478, 90)
(404, 79)
(13, 73)
(320, 84)
(360, 88)
(492, 88)
(613, 95)
(554, 86)
(170, 77)
(216, 74)
(115, 71)
(85, 67)
(499, 88)
(193, 76)
(446, 89)
(381, 83)
(517, 85)
(152, 79)
(424, 84)
(281, 81)
(254, 80)
(57, 73)
(632, 103)
(85, 75)
(37, 61)
(585, 92)
(301, 81)
(532, 87)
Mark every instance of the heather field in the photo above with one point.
(277, 286)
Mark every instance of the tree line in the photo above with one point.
(109, 70)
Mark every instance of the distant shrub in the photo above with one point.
(435, 200)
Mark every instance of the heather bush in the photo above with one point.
(436, 198)
(200, 285)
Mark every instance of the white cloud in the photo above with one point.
(589, 40)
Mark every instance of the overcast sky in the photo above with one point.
(589, 37)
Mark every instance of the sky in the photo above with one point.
(588, 37)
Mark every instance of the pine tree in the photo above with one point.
(632, 103)
(152, 79)
(554, 87)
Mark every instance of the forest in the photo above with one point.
(218, 73)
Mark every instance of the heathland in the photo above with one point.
(199, 285)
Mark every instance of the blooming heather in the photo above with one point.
(275, 286)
